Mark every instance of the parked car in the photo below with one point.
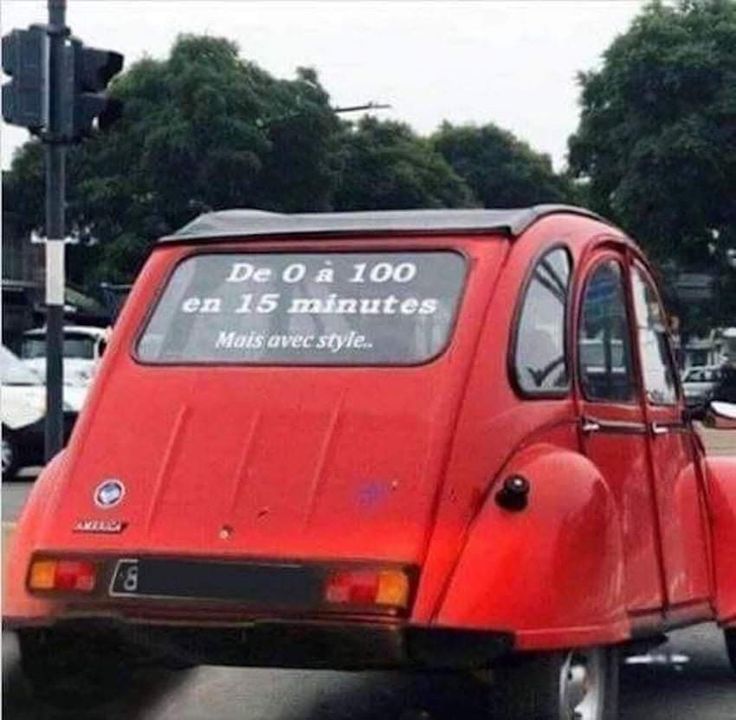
(83, 348)
(24, 414)
(417, 439)
(698, 384)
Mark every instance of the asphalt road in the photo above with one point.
(689, 678)
(14, 496)
(699, 686)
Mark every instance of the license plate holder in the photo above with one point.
(253, 584)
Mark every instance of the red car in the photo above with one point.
(423, 439)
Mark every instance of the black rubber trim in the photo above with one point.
(244, 223)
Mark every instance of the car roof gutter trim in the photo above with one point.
(249, 224)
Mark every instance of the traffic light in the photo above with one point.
(90, 71)
(25, 59)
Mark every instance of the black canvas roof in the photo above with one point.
(258, 223)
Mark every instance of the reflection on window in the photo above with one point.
(540, 362)
(659, 377)
(604, 352)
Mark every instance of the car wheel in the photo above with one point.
(730, 635)
(579, 684)
(69, 671)
(9, 455)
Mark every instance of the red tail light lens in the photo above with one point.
(388, 588)
(63, 575)
(352, 587)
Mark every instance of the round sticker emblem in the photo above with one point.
(109, 493)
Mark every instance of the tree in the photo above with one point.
(501, 170)
(657, 135)
(204, 129)
(385, 165)
(201, 130)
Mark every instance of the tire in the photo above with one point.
(581, 684)
(730, 635)
(70, 671)
(10, 454)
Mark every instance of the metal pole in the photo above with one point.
(55, 231)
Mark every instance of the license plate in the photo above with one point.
(252, 584)
(125, 579)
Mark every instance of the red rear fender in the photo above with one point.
(722, 491)
(552, 572)
(18, 605)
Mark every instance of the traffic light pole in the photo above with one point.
(55, 231)
(56, 91)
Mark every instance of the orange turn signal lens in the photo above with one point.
(388, 588)
(59, 574)
(42, 575)
(393, 588)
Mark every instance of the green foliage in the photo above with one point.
(23, 186)
(384, 165)
(208, 129)
(201, 130)
(657, 135)
(501, 170)
(204, 129)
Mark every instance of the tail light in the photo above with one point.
(63, 575)
(385, 588)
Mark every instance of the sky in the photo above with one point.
(513, 63)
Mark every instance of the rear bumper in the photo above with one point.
(306, 644)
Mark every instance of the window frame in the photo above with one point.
(637, 265)
(635, 371)
(511, 366)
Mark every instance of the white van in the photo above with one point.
(83, 347)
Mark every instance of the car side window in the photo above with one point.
(656, 360)
(540, 362)
(604, 345)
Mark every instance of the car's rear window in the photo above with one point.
(306, 308)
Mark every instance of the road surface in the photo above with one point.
(700, 687)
